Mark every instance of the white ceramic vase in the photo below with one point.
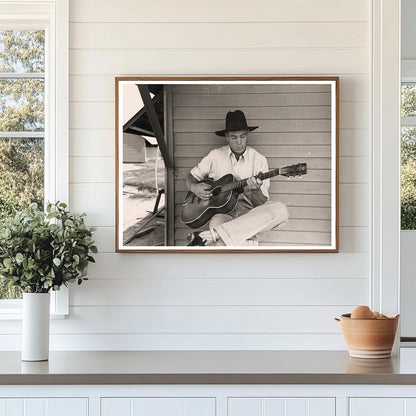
(35, 326)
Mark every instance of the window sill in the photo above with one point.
(11, 309)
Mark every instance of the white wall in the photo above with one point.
(238, 301)
(163, 301)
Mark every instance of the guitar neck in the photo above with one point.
(243, 182)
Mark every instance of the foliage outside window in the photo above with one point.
(22, 125)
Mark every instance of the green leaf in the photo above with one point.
(56, 261)
(7, 263)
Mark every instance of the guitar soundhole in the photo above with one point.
(216, 191)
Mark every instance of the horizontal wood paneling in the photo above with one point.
(231, 11)
(215, 62)
(352, 239)
(299, 152)
(275, 108)
(354, 205)
(91, 115)
(96, 199)
(88, 169)
(266, 125)
(296, 265)
(221, 35)
(240, 98)
(91, 88)
(313, 163)
(202, 319)
(353, 170)
(299, 37)
(101, 88)
(354, 142)
(184, 341)
(101, 115)
(260, 113)
(218, 291)
(256, 138)
(93, 143)
(105, 238)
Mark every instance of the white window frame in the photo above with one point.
(385, 150)
(53, 17)
(408, 75)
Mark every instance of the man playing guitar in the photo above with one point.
(253, 213)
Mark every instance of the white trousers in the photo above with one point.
(244, 222)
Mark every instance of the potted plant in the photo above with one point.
(40, 252)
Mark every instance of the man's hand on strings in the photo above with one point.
(254, 183)
(202, 190)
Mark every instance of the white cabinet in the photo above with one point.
(392, 406)
(44, 407)
(281, 406)
(157, 406)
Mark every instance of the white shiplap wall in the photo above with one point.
(185, 301)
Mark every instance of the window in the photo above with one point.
(22, 124)
(408, 155)
(33, 111)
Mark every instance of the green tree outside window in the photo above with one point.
(22, 125)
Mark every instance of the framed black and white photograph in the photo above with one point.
(227, 164)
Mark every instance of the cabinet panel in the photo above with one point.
(34, 407)
(155, 406)
(281, 407)
(377, 407)
(67, 407)
(296, 407)
(410, 407)
(44, 407)
(113, 406)
(245, 407)
(11, 407)
(275, 407)
(321, 407)
(15, 407)
(199, 407)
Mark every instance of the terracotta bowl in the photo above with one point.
(369, 338)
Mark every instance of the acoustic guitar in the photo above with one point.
(196, 212)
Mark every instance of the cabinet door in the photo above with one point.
(44, 407)
(281, 406)
(154, 406)
(377, 406)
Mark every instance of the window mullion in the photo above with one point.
(22, 134)
(408, 121)
(22, 75)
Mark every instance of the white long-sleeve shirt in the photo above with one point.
(222, 161)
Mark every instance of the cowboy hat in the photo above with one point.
(235, 121)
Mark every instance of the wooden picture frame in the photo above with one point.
(166, 125)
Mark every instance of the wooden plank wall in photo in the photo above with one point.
(294, 127)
